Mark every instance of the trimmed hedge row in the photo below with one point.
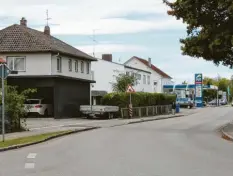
(139, 99)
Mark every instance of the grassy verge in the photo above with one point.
(31, 139)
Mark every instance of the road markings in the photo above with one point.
(29, 165)
(31, 155)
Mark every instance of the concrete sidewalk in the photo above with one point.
(45, 125)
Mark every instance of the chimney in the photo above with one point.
(149, 62)
(47, 30)
(107, 57)
(23, 22)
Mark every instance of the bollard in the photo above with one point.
(130, 111)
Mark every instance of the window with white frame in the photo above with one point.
(16, 63)
(82, 66)
(59, 63)
(148, 80)
(127, 73)
(76, 66)
(70, 64)
(144, 79)
(88, 67)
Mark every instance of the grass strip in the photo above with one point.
(31, 139)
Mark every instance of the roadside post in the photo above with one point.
(130, 90)
(4, 72)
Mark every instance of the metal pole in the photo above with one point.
(3, 105)
(91, 97)
(130, 100)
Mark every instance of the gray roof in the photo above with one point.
(19, 38)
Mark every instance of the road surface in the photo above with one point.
(186, 146)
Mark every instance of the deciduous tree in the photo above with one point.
(209, 28)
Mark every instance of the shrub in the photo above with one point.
(14, 106)
(139, 99)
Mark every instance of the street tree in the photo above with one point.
(209, 28)
(122, 82)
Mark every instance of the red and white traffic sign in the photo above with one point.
(130, 89)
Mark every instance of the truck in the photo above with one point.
(91, 111)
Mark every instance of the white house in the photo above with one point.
(158, 78)
(59, 72)
(149, 79)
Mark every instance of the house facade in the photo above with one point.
(105, 72)
(157, 79)
(59, 72)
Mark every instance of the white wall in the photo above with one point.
(65, 68)
(105, 73)
(141, 86)
(35, 64)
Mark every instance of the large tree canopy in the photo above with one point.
(209, 28)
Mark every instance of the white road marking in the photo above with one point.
(29, 165)
(31, 155)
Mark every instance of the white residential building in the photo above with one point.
(149, 79)
(158, 78)
(60, 73)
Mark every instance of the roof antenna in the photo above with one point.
(94, 41)
(47, 17)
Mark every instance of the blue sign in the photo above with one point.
(7, 71)
(198, 78)
(198, 90)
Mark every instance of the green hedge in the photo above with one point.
(138, 99)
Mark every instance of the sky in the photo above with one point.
(124, 28)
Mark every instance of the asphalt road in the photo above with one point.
(185, 146)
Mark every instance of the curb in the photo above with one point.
(161, 118)
(148, 120)
(224, 134)
(47, 139)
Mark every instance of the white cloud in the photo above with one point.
(82, 16)
(110, 48)
(183, 68)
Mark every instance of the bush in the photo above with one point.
(14, 107)
(139, 99)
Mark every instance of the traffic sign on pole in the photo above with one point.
(5, 72)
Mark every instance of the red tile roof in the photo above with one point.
(156, 69)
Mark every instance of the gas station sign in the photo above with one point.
(198, 90)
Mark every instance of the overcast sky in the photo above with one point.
(124, 28)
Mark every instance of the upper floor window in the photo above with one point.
(88, 67)
(70, 64)
(16, 63)
(144, 79)
(139, 76)
(76, 66)
(127, 73)
(148, 80)
(59, 63)
(82, 66)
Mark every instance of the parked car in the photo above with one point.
(40, 107)
(223, 102)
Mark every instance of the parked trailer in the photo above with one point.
(99, 111)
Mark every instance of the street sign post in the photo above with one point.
(4, 72)
(130, 90)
